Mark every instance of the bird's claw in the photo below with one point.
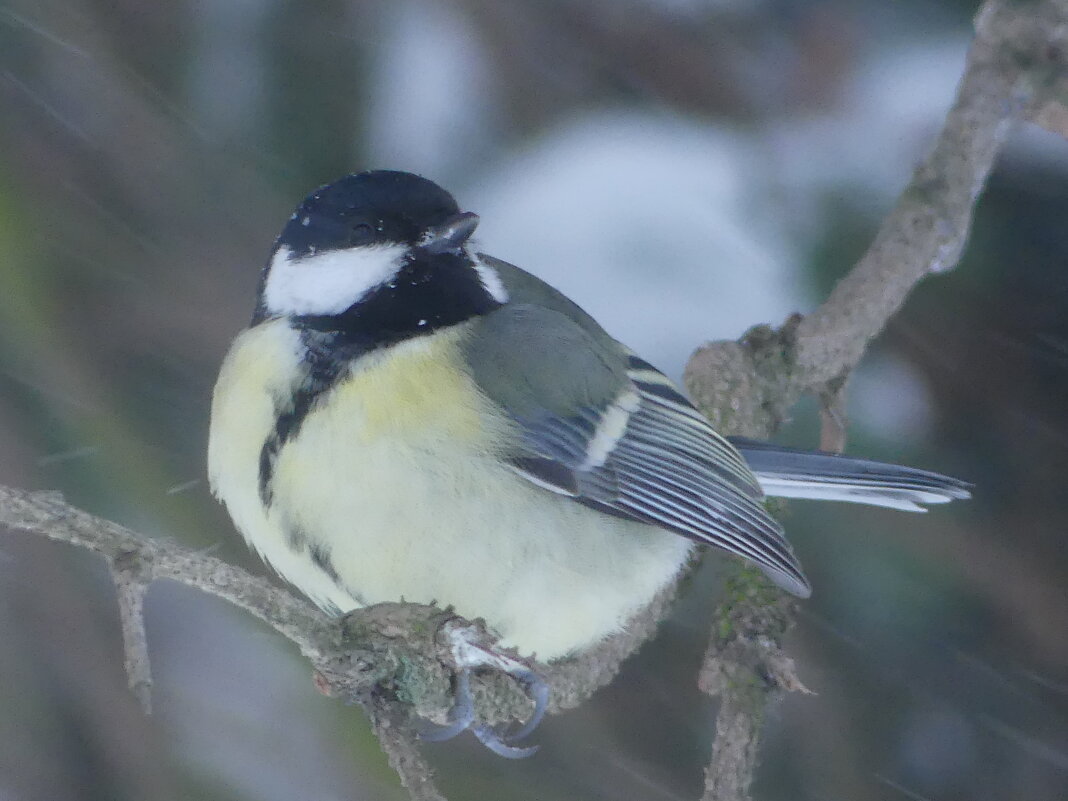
(460, 717)
(499, 745)
(538, 692)
(468, 655)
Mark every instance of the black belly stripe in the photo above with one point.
(426, 296)
(320, 555)
(323, 374)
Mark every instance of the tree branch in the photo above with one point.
(1015, 68)
(744, 665)
(131, 582)
(373, 656)
(377, 655)
(395, 738)
(46, 513)
(1014, 65)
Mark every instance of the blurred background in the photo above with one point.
(683, 169)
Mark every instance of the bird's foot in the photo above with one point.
(498, 744)
(468, 654)
(460, 717)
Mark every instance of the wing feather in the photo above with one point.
(619, 437)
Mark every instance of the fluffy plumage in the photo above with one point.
(395, 489)
(406, 419)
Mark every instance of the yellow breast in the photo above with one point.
(393, 488)
(411, 391)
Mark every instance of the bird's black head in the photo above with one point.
(375, 258)
(382, 207)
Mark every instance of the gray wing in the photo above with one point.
(603, 427)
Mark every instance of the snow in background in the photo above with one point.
(431, 104)
(851, 146)
(726, 216)
(594, 204)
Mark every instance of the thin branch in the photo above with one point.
(1015, 66)
(833, 422)
(46, 513)
(388, 650)
(398, 744)
(351, 656)
(927, 229)
(745, 666)
(1015, 63)
(1015, 69)
(131, 581)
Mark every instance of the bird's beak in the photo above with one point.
(451, 234)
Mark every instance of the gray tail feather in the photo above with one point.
(793, 473)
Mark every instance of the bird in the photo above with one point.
(406, 417)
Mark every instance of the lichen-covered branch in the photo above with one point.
(1017, 52)
(393, 659)
(743, 666)
(400, 748)
(1016, 69)
(374, 656)
(1015, 65)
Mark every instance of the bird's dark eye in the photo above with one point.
(362, 234)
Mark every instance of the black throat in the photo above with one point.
(426, 295)
(429, 292)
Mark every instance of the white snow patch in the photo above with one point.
(656, 225)
(432, 92)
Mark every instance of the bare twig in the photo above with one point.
(390, 646)
(372, 656)
(833, 422)
(395, 738)
(1008, 66)
(1015, 70)
(131, 581)
(744, 665)
(1015, 65)
(46, 513)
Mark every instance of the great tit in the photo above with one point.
(408, 418)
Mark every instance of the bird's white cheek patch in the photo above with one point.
(328, 283)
